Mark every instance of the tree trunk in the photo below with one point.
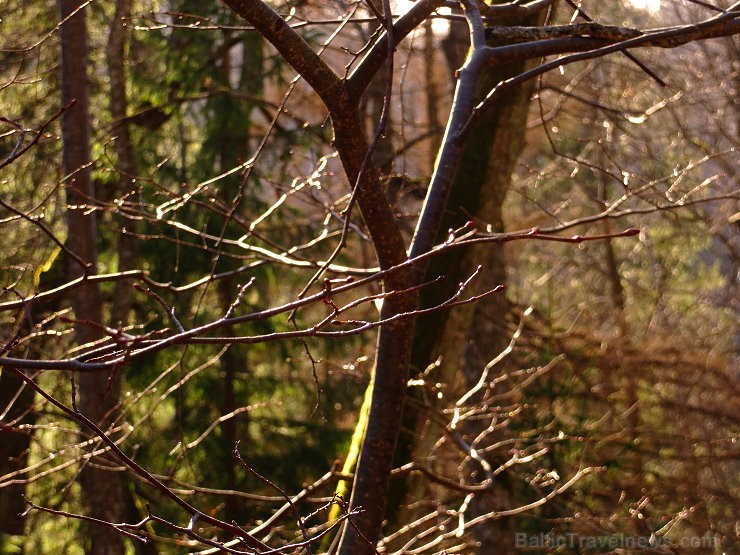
(489, 332)
(98, 393)
(126, 164)
(469, 336)
(372, 477)
(128, 252)
(14, 446)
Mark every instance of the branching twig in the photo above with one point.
(248, 539)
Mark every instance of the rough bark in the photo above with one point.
(98, 393)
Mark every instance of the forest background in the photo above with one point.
(222, 219)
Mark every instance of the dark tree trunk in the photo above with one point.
(98, 393)
(14, 445)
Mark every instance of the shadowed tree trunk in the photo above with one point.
(14, 445)
(128, 253)
(98, 393)
(469, 336)
(231, 143)
(489, 332)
